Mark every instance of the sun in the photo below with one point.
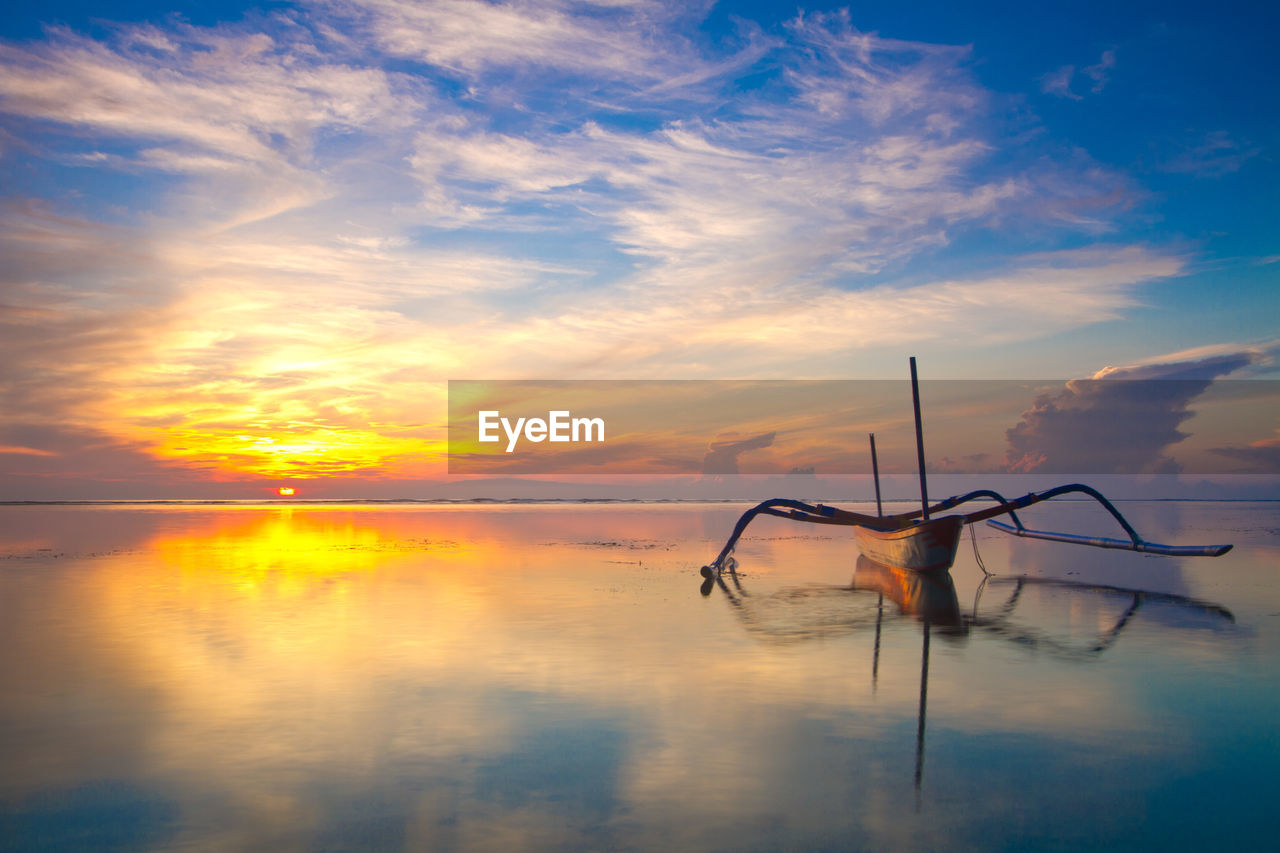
(285, 491)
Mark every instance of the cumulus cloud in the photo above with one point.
(1121, 421)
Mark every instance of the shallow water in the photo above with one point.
(550, 677)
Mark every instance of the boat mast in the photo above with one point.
(875, 474)
(915, 401)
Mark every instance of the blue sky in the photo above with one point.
(244, 232)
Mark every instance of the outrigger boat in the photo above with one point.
(918, 541)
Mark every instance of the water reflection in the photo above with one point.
(543, 678)
(814, 612)
(795, 614)
(1000, 619)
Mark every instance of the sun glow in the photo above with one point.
(301, 451)
(285, 491)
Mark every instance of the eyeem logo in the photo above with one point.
(559, 426)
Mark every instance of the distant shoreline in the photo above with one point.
(334, 502)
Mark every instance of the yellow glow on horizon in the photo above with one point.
(285, 491)
(342, 408)
(301, 452)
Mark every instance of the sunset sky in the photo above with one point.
(248, 244)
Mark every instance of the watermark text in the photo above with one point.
(559, 425)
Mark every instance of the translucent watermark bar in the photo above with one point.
(715, 428)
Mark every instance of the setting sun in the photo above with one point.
(285, 491)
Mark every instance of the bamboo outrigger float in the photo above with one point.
(917, 541)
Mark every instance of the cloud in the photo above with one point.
(1121, 421)
(18, 450)
(1100, 73)
(43, 462)
(861, 153)
(250, 110)
(245, 98)
(1213, 156)
(877, 78)
(1259, 457)
(262, 245)
(251, 353)
(968, 463)
(1059, 82)
(470, 36)
(753, 323)
(1201, 362)
(722, 455)
(870, 163)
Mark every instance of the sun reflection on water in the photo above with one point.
(549, 677)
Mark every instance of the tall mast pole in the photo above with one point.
(875, 474)
(915, 401)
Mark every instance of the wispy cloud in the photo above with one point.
(1259, 457)
(18, 450)
(1100, 74)
(471, 36)
(1059, 81)
(1214, 155)
(1244, 358)
(712, 325)
(246, 115)
(306, 221)
(243, 97)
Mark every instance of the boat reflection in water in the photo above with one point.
(811, 612)
(1000, 619)
(796, 614)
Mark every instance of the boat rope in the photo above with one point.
(973, 537)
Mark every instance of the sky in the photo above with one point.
(247, 244)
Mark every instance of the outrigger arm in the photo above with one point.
(821, 514)
(1133, 543)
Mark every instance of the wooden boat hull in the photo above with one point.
(928, 546)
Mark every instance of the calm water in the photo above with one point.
(546, 678)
